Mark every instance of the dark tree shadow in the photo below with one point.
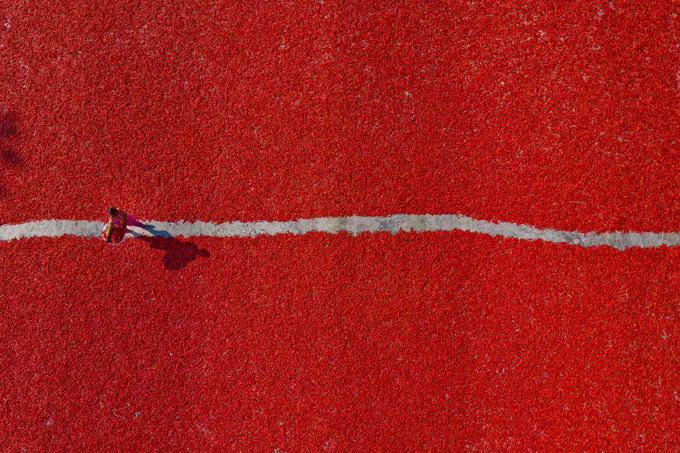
(178, 253)
(8, 155)
(8, 129)
(8, 123)
(11, 157)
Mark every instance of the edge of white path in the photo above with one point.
(353, 225)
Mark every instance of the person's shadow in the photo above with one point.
(178, 253)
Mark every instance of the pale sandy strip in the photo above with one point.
(353, 225)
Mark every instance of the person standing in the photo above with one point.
(119, 220)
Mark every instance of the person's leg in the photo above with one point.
(132, 221)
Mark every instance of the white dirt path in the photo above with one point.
(353, 225)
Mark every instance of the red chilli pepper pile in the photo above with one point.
(554, 114)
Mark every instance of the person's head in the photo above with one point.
(113, 212)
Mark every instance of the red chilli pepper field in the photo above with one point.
(562, 115)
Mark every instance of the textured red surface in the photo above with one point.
(557, 114)
(547, 113)
(413, 342)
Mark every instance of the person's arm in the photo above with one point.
(108, 231)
